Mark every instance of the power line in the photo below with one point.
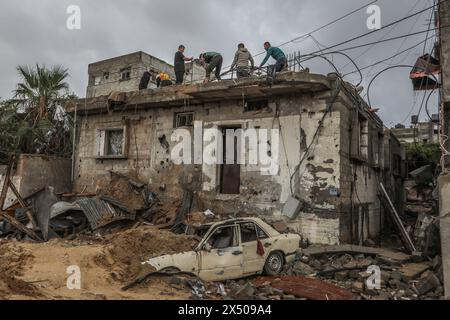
(382, 41)
(382, 28)
(319, 28)
(386, 34)
(386, 59)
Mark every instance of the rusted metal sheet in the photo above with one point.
(101, 212)
(306, 288)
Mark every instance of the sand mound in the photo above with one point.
(125, 251)
(12, 262)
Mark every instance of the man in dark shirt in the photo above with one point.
(211, 61)
(144, 80)
(179, 67)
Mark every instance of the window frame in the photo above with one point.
(125, 71)
(258, 229)
(102, 152)
(178, 114)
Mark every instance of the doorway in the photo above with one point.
(230, 174)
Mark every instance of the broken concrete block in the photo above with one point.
(428, 284)
(291, 208)
(303, 269)
(341, 276)
(414, 270)
(396, 275)
(358, 286)
(316, 264)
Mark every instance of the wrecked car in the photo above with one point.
(234, 249)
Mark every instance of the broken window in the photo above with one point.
(251, 232)
(256, 105)
(185, 119)
(223, 238)
(363, 138)
(112, 143)
(114, 146)
(125, 74)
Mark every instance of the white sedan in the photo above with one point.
(234, 249)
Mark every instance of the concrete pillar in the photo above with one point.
(444, 205)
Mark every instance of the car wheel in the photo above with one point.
(274, 264)
(170, 270)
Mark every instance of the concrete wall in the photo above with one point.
(324, 217)
(34, 172)
(139, 62)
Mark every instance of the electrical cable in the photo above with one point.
(377, 30)
(319, 28)
(387, 69)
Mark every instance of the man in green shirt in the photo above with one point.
(277, 54)
(212, 61)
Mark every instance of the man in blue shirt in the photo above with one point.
(277, 54)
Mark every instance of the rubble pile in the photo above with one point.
(402, 278)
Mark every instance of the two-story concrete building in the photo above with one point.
(332, 153)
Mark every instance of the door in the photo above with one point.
(253, 261)
(230, 174)
(224, 260)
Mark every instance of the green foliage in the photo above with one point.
(422, 154)
(34, 121)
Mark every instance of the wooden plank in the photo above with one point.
(12, 221)
(4, 192)
(404, 236)
(23, 204)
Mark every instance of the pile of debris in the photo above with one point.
(402, 277)
(421, 213)
(125, 202)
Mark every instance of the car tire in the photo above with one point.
(170, 270)
(274, 264)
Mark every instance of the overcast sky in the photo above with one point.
(34, 31)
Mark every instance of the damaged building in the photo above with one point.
(334, 151)
(124, 73)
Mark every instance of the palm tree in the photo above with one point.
(41, 91)
(42, 125)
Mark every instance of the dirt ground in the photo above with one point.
(39, 271)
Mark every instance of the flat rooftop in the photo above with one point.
(172, 96)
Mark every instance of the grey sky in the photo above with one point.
(34, 31)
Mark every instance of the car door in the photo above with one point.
(224, 259)
(253, 261)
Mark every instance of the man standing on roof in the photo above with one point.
(241, 60)
(277, 54)
(211, 61)
(179, 66)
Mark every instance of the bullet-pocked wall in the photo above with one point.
(321, 179)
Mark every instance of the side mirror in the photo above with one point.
(207, 247)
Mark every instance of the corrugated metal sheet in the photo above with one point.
(101, 212)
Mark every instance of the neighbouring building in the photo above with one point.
(125, 72)
(33, 173)
(422, 132)
(333, 152)
(443, 49)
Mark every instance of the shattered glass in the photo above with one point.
(115, 143)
